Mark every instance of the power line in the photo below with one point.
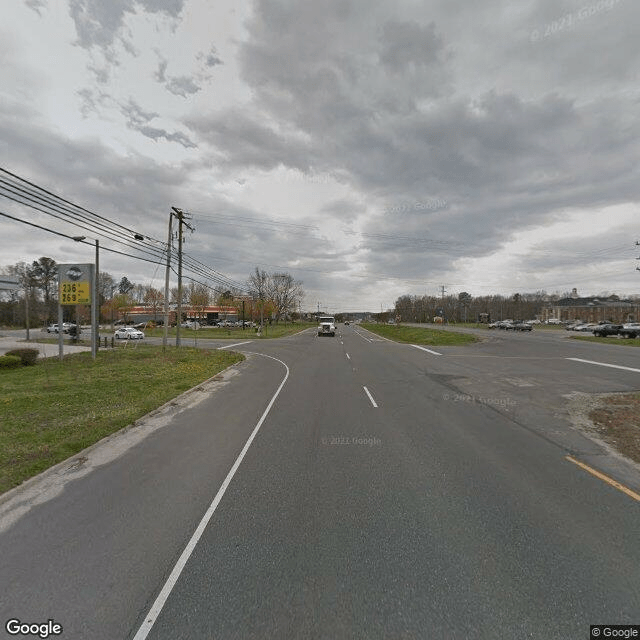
(26, 193)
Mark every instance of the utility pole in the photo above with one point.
(165, 333)
(181, 221)
(95, 306)
(443, 314)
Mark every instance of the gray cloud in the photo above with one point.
(36, 5)
(347, 88)
(182, 86)
(98, 22)
(211, 59)
(138, 120)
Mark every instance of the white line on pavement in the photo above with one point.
(160, 601)
(373, 402)
(604, 364)
(348, 357)
(435, 353)
(237, 344)
(363, 337)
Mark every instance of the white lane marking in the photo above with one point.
(373, 402)
(378, 336)
(160, 601)
(348, 357)
(363, 337)
(604, 364)
(237, 344)
(435, 353)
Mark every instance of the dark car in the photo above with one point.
(607, 329)
(630, 330)
(521, 326)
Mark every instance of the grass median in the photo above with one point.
(615, 340)
(54, 409)
(419, 335)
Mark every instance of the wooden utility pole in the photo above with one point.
(181, 221)
(165, 333)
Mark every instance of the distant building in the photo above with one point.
(204, 315)
(591, 309)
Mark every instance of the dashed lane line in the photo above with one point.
(373, 402)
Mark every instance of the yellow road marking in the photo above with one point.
(607, 479)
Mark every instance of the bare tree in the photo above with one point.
(154, 298)
(285, 293)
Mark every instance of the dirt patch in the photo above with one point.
(612, 418)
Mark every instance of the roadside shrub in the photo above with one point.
(9, 362)
(27, 357)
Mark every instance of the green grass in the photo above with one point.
(622, 342)
(54, 409)
(418, 335)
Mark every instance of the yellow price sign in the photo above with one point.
(75, 293)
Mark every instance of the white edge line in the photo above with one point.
(237, 344)
(348, 357)
(364, 337)
(373, 402)
(604, 364)
(377, 335)
(435, 353)
(160, 601)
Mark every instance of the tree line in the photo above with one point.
(272, 296)
(464, 307)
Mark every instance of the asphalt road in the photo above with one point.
(388, 492)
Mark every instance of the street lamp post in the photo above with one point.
(94, 301)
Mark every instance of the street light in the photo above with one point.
(95, 303)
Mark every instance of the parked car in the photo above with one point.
(66, 327)
(630, 330)
(607, 329)
(521, 326)
(128, 333)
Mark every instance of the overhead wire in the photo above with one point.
(28, 194)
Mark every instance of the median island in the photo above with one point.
(419, 335)
(54, 409)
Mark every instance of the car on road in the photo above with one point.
(66, 327)
(326, 326)
(128, 333)
(606, 329)
(630, 330)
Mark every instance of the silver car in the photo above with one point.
(128, 333)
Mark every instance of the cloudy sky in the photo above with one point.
(371, 148)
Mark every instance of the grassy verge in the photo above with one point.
(54, 409)
(418, 335)
(623, 342)
(617, 421)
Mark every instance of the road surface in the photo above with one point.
(345, 487)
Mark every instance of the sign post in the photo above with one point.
(75, 286)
